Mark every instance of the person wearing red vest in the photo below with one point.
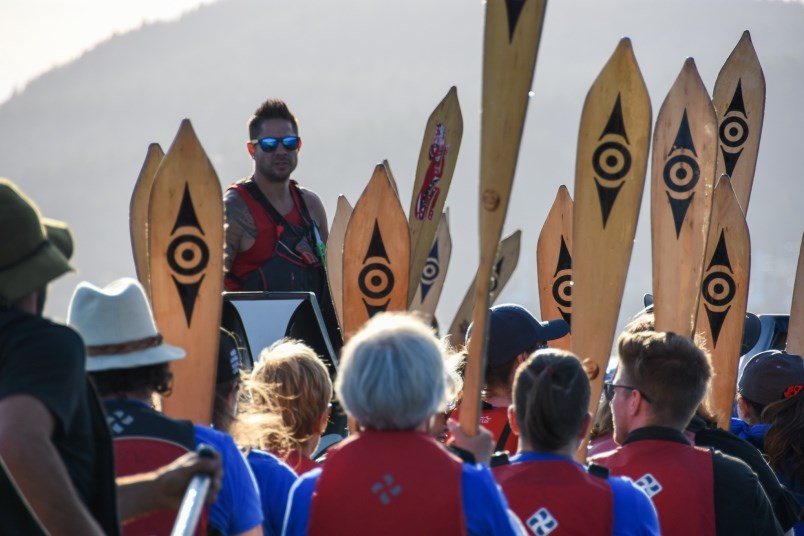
(514, 333)
(392, 477)
(276, 230)
(661, 380)
(547, 489)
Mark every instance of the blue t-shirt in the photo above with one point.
(634, 513)
(274, 478)
(237, 508)
(484, 505)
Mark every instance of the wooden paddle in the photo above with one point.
(505, 262)
(185, 237)
(795, 329)
(554, 264)
(437, 157)
(683, 176)
(739, 99)
(434, 272)
(511, 41)
(612, 158)
(724, 293)
(138, 214)
(375, 272)
(343, 211)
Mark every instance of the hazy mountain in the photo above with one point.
(363, 76)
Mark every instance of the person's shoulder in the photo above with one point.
(39, 335)
(261, 460)
(221, 441)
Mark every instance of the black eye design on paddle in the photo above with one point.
(432, 268)
(562, 282)
(733, 132)
(611, 160)
(718, 288)
(681, 173)
(376, 280)
(187, 254)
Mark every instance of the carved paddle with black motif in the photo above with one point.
(683, 176)
(434, 272)
(437, 158)
(739, 100)
(795, 329)
(376, 270)
(554, 265)
(185, 237)
(138, 214)
(724, 296)
(612, 159)
(343, 211)
(512, 33)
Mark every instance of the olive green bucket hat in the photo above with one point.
(33, 250)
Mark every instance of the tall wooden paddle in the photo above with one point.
(795, 329)
(138, 214)
(683, 176)
(343, 211)
(375, 272)
(505, 262)
(185, 236)
(437, 157)
(554, 264)
(434, 272)
(612, 158)
(739, 99)
(724, 296)
(511, 41)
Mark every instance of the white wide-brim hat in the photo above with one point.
(118, 327)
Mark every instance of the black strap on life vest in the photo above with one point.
(258, 196)
(598, 471)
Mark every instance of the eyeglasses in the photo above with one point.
(269, 144)
(608, 391)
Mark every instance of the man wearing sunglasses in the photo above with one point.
(275, 229)
(661, 380)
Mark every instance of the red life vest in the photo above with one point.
(557, 495)
(390, 483)
(495, 420)
(300, 464)
(677, 477)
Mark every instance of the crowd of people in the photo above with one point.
(85, 449)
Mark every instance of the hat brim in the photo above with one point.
(163, 353)
(33, 273)
(553, 329)
(59, 234)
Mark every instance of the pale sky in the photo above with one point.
(36, 35)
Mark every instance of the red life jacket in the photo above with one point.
(390, 483)
(495, 420)
(557, 495)
(677, 477)
(300, 464)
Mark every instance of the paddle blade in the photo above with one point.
(434, 272)
(376, 258)
(437, 158)
(724, 296)
(554, 264)
(739, 99)
(795, 330)
(683, 175)
(185, 236)
(343, 212)
(138, 214)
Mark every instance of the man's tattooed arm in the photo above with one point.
(239, 227)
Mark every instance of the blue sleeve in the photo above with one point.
(237, 508)
(274, 479)
(634, 514)
(484, 505)
(297, 514)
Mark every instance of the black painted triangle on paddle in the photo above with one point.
(188, 294)
(607, 195)
(737, 104)
(730, 159)
(376, 246)
(566, 316)
(683, 137)
(432, 255)
(721, 255)
(374, 309)
(495, 275)
(514, 9)
(187, 216)
(716, 319)
(615, 125)
(564, 258)
(679, 209)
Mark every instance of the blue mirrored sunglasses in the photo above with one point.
(290, 143)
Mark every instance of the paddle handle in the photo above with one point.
(193, 502)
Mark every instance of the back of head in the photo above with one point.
(551, 399)
(671, 371)
(771, 376)
(271, 109)
(392, 374)
(291, 379)
(784, 375)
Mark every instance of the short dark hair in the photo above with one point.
(551, 399)
(117, 383)
(670, 369)
(270, 109)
